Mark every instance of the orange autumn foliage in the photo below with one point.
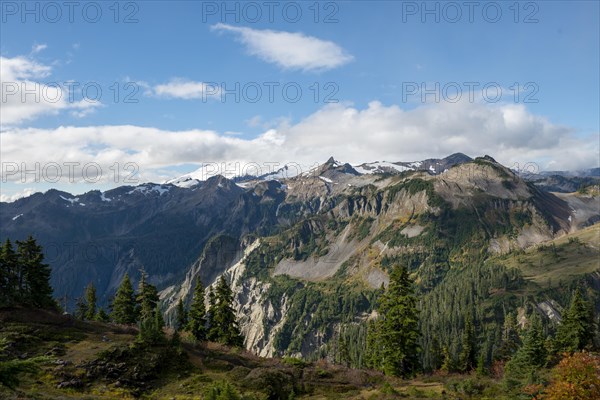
(576, 377)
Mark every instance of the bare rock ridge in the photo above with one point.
(272, 236)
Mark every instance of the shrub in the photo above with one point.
(576, 377)
(221, 391)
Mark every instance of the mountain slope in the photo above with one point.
(298, 290)
(306, 255)
(100, 361)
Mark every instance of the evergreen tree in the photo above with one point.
(90, 299)
(102, 316)
(147, 298)
(344, 353)
(148, 311)
(8, 274)
(481, 371)
(211, 334)
(447, 361)
(577, 328)
(436, 354)
(534, 344)
(396, 332)
(159, 321)
(34, 277)
(181, 319)
(523, 367)
(197, 315)
(373, 346)
(175, 339)
(151, 327)
(224, 326)
(510, 341)
(4, 273)
(80, 309)
(468, 354)
(123, 306)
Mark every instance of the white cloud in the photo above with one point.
(22, 68)
(16, 195)
(509, 133)
(185, 89)
(289, 50)
(24, 97)
(36, 48)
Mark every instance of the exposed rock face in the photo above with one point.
(551, 310)
(259, 321)
(219, 253)
(318, 268)
(329, 222)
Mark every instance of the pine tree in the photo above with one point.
(148, 311)
(467, 356)
(211, 334)
(524, 365)
(224, 325)
(4, 288)
(373, 346)
(181, 319)
(534, 344)
(577, 328)
(175, 339)
(159, 321)
(123, 306)
(90, 299)
(510, 340)
(147, 298)
(447, 361)
(481, 371)
(151, 327)
(8, 274)
(197, 316)
(80, 309)
(34, 278)
(397, 333)
(344, 354)
(102, 316)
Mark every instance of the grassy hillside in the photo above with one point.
(101, 361)
(559, 261)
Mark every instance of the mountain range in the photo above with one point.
(307, 250)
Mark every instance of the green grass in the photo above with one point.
(253, 377)
(559, 261)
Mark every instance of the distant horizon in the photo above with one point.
(522, 168)
(83, 93)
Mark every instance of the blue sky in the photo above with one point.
(365, 57)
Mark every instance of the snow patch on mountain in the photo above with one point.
(146, 189)
(72, 201)
(104, 198)
(379, 167)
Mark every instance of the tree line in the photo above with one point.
(216, 323)
(24, 277)
(25, 281)
(394, 339)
